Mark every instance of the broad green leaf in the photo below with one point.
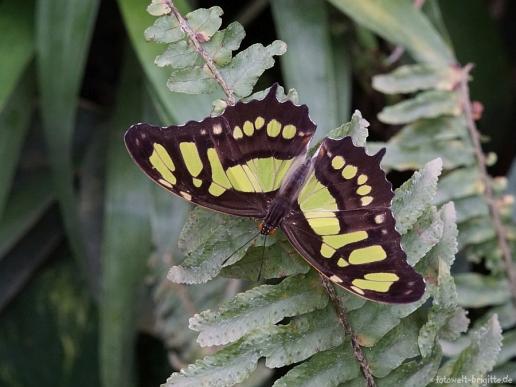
(415, 33)
(173, 107)
(427, 104)
(28, 254)
(49, 332)
(209, 239)
(305, 26)
(14, 123)
(126, 241)
(324, 369)
(357, 129)
(261, 306)
(16, 45)
(480, 356)
(476, 290)
(411, 78)
(29, 200)
(415, 195)
(63, 32)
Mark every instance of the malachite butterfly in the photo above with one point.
(252, 161)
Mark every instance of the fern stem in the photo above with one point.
(341, 314)
(194, 38)
(488, 189)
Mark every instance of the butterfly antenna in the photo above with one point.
(240, 248)
(263, 258)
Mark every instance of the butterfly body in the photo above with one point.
(252, 161)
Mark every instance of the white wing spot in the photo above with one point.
(186, 195)
(217, 129)
(203, 132)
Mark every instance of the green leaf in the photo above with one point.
(305, 26)
(427, 104)
(14, 123)
(28, 254)
(49, 332)
(415, 195)
(261, 306)
(415, 33)
(414, 373)
(220, 47)
(173, 107)
(165, 29)
(447, 247)
(158, 7)
(209, 239)
(423, 133)
(371, 322)
(29, 200)
(425, 234)
(476, 290)
(126, 241)
(458, 184)
(480, 356)
(508, 350)
(443, 310)
(411, 78)
(357, 129)
(397, 346)
(327, 368)
(277, 261)
(16, 45)
(453, 154)
(240, 74)
(230, 365)
(63, 32)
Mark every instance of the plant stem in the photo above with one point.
(183, 23)
(341, 314)
(488, 189)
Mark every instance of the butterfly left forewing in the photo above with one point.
(233, 163)
(343, 226)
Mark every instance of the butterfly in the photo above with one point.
(252, 161)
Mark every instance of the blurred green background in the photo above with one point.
(78, 220)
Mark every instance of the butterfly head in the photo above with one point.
(267, 229)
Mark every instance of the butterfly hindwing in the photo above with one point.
(343, 226)
(233, 163)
